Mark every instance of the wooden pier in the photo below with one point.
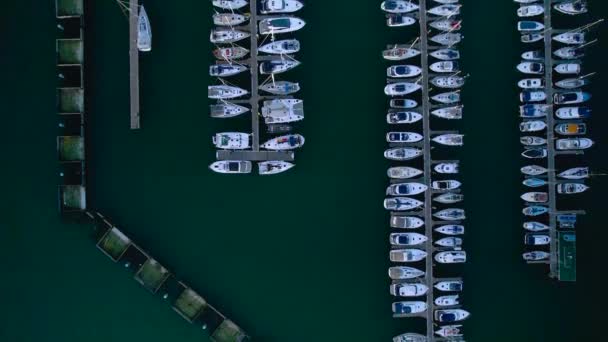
(134, 63)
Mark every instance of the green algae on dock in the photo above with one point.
(69, 8)
(70, 51)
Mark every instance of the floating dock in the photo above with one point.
(134, 63)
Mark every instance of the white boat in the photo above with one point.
(399, 189)
(573, 7)
(285, 46)
(284, 142)
(404, 272)
(272, 167)
(531, 83)
(398, 6)
(280, 6)
(573, 144)
(449, 139)
(532, 96)
(226, 70)
(231, 140)
(449, 331)
(408, 308)
(449, 300)
(530, 10)
(449, 242)
(229, 4)
(277, 66)
(406, 255)
(571, 188)
(570, 38)
(571, 97)
(403, 117)
(401, 88)
(281, 87)
(446, 184)
(144, 31)
(403, 71)
(230, 53)
(532, 37)
(449, 286)
(399, 20)
(451, 214)
(408, 290)
(532, 153)
(533, 170)
(445, 10)
(399, 53)
(569, 52)
(450, 229)
(532, 239)
(532, 141)
(573, 113)
(534, 110)
(571, 128)
(402, 153)
(280, 25)
(575, 173)
(530, 26)
(403, 103)
(449, 82)
(401, 203)
(403, 137)
(535, 197)
(451, 257)
(532, 126)
(227, 110)
(568, 68)
(447, 98)
(231, 166)
(221, 35)
(406, 222)
(450, 113)
(402, 172)
(225, 92)
(447, 25)
(444, 66)
(535, 255)
(534, 226)
(450, 315)
(572, 83)
(283, 111)
(533, 55)
(229, 19)
(410, 337)
(446, 168)
(446, 54)
(449, 198)
(534, 182)
(532, 68)
(447, 39)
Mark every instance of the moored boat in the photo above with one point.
(448, 300)
(401, 203)
(280, 6)
(409, 337)
(227, 35)
(530, 10)
(534, 226)
(398, 6)
(535, 210)
(535, 255)
(403, 117)
(446, 168)
(533, 239)
(450, 286)
(571, 188)
(450, 315)
(284, 142)
(274, 167)
(285, 46)
(449, 331)
(403, 71)
(572, 7)
(535, 153)
(532, 126)
(399, 53)
(226, 70)
(281, 87)
(401, 88)
(449, 139)
(412, 188)
(448, 82)
(532, 141)
(231, 166)
(225, 92)
(446, 54)
(404, 272)
(450, 229)
(406, 222)
(451, 257)
(277, 66)
(534, 182)
(229, 19)
(407, 255)
(450, 113)
(449, 242)
(229, 4)
(408, 290)
(231, 140)
(535, 197)
(573, 144)
(276, 25)
(402, 172)
(402, 153)
(230, 53)
(533, 170)
(449, 198)
(144, 31)
(451, 214)
(573, 112)
(226, 110)
(575, 173)
(447, 98)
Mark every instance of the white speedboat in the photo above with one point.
(450, 113)
(277, 66)
(444, 66)
(403, 137)
(451, 257)
(447, 39)
(401, 88)
(408, 308)
(449, 198)
(230, 53)
(449, 286)
(401, 203)
(447, 98)
(532, 68)
(532, 126)
(534, 110)
(402, 153)
(449, 82)
(530, 10)
(144, 31)
(284, 142)
(533, 55)
(446, 54)
(573, 7)
(229, 4)
(570, 38)
(219, 36)
(573, 113)
(573, 144)
(531, 83)
(571, 128)
(449, 331)
(227, 110)
(568, 68)
(403, 172)
(273, 167)
(404, 272)
(446, 168)
(451, 214)
(226, 70)
(450, 229)
(225, 92)
(285, 46)
(231, 166)
(532, 239)
(403, 71)
(408, 290)
(450, 315)
(449, 300)
(532, 37)
(231, 140)
(532, 96)
(403, 117)
(283, 110)
(449, 242)
(280, 6)
(571, 97)
(406, 255)
(449, 139)
(535, 255)
(278, 25)
(532, 141)
(571, 188)
(447, 10)
(575, 173)
(399, 20)
(535, 197)
(530, 26)
(399, 189)
(398, 6)
(281, 87)
(535, 226)
(406, 222)
(410, 337)
(229, 19)
(399, 53)
(446, 184)
(403, 103)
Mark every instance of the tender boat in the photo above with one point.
(444, 66)
(575, 173)
(450, 214)
(400, 53)
(399, 20)
(446, 184)
(403, 103)
(283, 111)
(274, 167)
(571, 7)
(231, 166)
(447, 10)
(278, 25)
(450, 113)
(447, 25)
(571, 188)
(447, 39)
(405, 189)
(569, 52)
(284, 142)
(530, 10)
(402, 153)
(449, 139)
(529, 26)
(230, 53)
(451, 257)
(280, 6)
(403, 71)
(449, 242)
(221, 35)
(534, 182)
(573, 113)
(144, 31)
(571, 97)
(229, 4)
(281, 87)
(410, 337)
(534, 153)
(570, 38)
(285, 46)
(533, 141)
(449, 331)
(401, 88)
(450, 229)
(231, 141)
(402, 172)
(226, 70)
(531, 83)
(573, 144)
(532, 239)
(227, 110)
(535, 255)
(571, 128)
(401, 203)
(447, 300)
(225, 92)
(534, 226)
(409, 290)
(406, 222)
(446, 168)
(449, 198)
(398, 6)
(449, 82)
(572, 83)
(229, 19)
(403, 137)
(447, 98)
(535, 210)
(535, 197)
(450, 286)
(450, 315)
(533, 170)
(568, 68)
(534, 55)
(404, 272)
(532, 126)
(406, 255)
(403, 117)
(277, 66)
(532, 68)
(534, 110)
(446, 54)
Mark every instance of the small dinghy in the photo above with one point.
(573, 113)
(280, 6)
(569, 52)
(219, 36)
(444, 66)
(530, 11)
(535, 255)
(285, 142)
(568, 68)
(281, 87)
(231, 141)
(282, 111)
(406, 222)
(533, 68)
(446, 184)
(229, 4)
(571, 128)
(572, 83)
(399, 189)
(535, 197)
(401, 203)
(575, 173)
(447, 39)
(534, 226)
(534, 182)
(230, 53)
(402, 153)
(284, 47)
(273, 167)
(447, 25)
(534, 55)
(449, 198)
(448, 331)
(447, 10)
(447, 300)
(144, 31)
(278, 25)
(570, 38)
(449, 82)
(400, 53)
(571, 97)
(225, 92)
(403, 117)
(446, 54)
(451, 214)
(409, 290)
(398, 6)
(403, 137)
(399, 20)
(403, 71)
(571, 188)
(449, 139)
(534, 110)
(451, 315)
(532, 37)
(535, 210)
(410, 337)
(531, 83)
(277, 66)
(231, 166)
(403, 172)
(450, 286)
(450, 229)
(532, 126)
(229, 19)
(533, 141)
(533, 170)
(401, 88)
(573, 144)
(450, 113)
(449, 242)
(404, 272)
(446, 168)
(407, 239)
(447, 98)
(571, 7)
(529, 26)
(403, 103)
(532, 239)
(226, 70)
(227, 110)
(535, 153)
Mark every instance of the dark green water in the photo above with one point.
(297, 257)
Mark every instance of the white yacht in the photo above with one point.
(449, 242)
(229, 19)
(450, 315)
(446, 54)
(401, 88)
(573, 144)
(402, 153)
(401, 71)
(446, 184)
(533, 170)
(281, 87)
(226, 70)
(408, 290)
(449, 331)
(280, 6)
(399, 53)
(398, 6)
(401, 203)
(227, 35)
(227, 110)
(449, 286)
(530, 10)
(403, 117)
(406, 222)
(444, 66)
(450, 113)
(229, 4)
(408, 308)
(449, 198)
(285, 46)
(273, 167)
(277, 66)
(446, 168)
(404, 272)
(535, 226)
(532, 126)
(450, 139)
(575, 173)
(406, 255)
(144, 31)
(402, 172)
(447, 10)
(450, 229)
(448, 300)
(449, 82)
(280, 25)
(409, 189)
(231, 141)
(225, 92)
(284, 142)
(231, 166)
(403, 137)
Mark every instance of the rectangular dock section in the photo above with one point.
(134, 63)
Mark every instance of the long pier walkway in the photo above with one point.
(134, 63)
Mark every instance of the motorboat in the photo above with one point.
(532, 37)
(229, 19)
(399, 189)
(410, 337)
(573, 144)
(449, 198)
(529, 26)
(225, 92)
(446, 168)
(403, 103)
(535, 210)
(273, 167)
(230, 53)
(399, 20)
(571, 97)
(451, 257)
(535, 256)
(231, 141)
(282, 110)
(533, 55)
(450, 113)
(406, 222)
(573, 7)
(447, 25)
(535, 153)
(277, 66)
(409, 290)
(531, 83)
(281, 87)
(450, 229)
(571, 128)
(447, 39)
(533, 170)
(231, 166)
(276, 25)
(227, 110)
(571, 38)
(280, 6)
(449, 82)
(401, 203)
(575, 173)
(444, 66)
(402, 172)
(573, 113)
(532, 96)
(226, 70)
(284, 142)
(532, 126)
(532, 68)
(403, 71)
(530, 10)
(449, 242)
(446, 10)
(404, 272)
(571, 188)
(450, 315)
(535, 197)
(449, 139)
(402, 153)
(398, 6)
(401, 88)
(533, 141)
(569, 52)
(399, 53)
(447, 98)
(406, 255)
(535, 226)
(403, 117)
(229, 4)
(408, 308)
(534, 110)
(403, 137)
(572, 83)
(534, 182)
(533, 239)
(568, 68)
(449, 300)
(281, 47)
(446, 184)
(449, 286)
(222, 35)
(446, 54)
(451, 214)
(448, 331)
(144, 31)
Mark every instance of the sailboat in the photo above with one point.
(144, 31)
